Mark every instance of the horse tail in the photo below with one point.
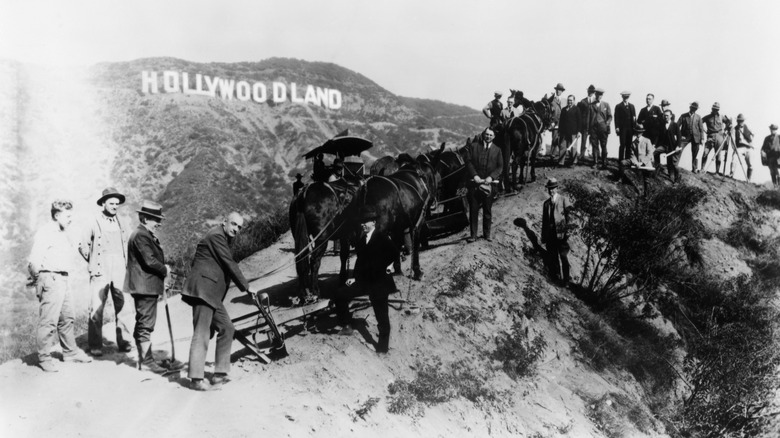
(301, 236)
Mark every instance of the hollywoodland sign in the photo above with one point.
(229, 89)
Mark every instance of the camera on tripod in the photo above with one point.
(726, 123)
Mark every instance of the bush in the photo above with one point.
(518, 353)
(260, 234)
(769, 198)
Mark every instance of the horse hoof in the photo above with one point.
(418, 276)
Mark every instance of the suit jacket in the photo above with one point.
(145, 264)
(642, 152)
(691, 127)
(669, 137)
(743, 136)
(600, 117)
(557, 228)
(585, 108)
(373, 259)
(571, 121)
(771, 146)
(625, 118)
(555, 107)
(484, 163)
(653, 121)
(212, 269)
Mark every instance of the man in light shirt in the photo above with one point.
(51, 260)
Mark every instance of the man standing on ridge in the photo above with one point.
(652, 118)
(555, 107)
(625, 118)
(555, 232)
(600, 120)
(569, 128)
(691, 131)
(104, 247)
(493, 110)
(585, 107)
(483, 166)
(213, 268)
(770, 154)
(743, 139)
(714, 123)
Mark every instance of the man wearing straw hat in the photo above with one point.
(555, 232)
(213, 268)
(145, 280)
(104, 247)
(714, 123)
(743, 138)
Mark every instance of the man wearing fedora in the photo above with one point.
(375, 252)
(569, 128)
(691, 131)
(714, 124)
(555, 232)
(600, 120)
(297, 185)
(483, 166)
(668, 143)
(104, 247)
(212, 270)
(770, 154)
(145, 279)
(625, 118)
(743, 138)
(585, 107)
(652, 118)
(51, 260)
(493, 110)
(555, 107)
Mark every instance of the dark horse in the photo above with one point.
(523, 135)
(384, 166)
(317, 215)
(402, 201)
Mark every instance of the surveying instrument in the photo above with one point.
(728, 142)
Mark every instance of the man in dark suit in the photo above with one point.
(145, 279)
(569, 128)
(668, 143)
(297, 185)
(770, 154)
(652, 118)
(600, 120)
(585, 107)
(375, 252)
(625, 117)
(212, 270)
(484, 168)
(555, 219)
(691, 131)
(555, 107)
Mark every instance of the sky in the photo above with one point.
(457, 52)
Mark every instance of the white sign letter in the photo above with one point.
(171, 81)
(311, 96)
(334, 99)
(242, 91)
(149, 82)
(294, 94)
(280, 92)
(322, 97)
(211, 86)
(226, 88)
(259, 92)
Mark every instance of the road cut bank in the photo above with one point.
(153, 82)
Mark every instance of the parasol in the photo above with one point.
(342, 144)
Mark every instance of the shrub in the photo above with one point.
(519, 353)
(364, 409)
(260, 234)
(769, 198)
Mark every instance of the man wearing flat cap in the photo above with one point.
(714, 124)
(375, 253)
(483, 166)
(104, 247)
(770, 154)
(146, 272)
(493, 110)
(600, 120)
(555, 232)
(625, 118)
(743, 138)
(555, 107)
(691, 131)
(212, 270)
(652, 118)
(585, 107)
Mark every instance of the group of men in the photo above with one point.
(644, 136)
(121, 267)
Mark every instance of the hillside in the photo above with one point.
(496, 350)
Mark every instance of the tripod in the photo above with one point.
(728, 142)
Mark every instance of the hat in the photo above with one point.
(151, 208)
(716, 106)
(625, 93)
(772, 126)
(560, 87)
(591, 88)
(694, 105)
(740, 117)
(485, 188)
(368, 213)
(498, 93)
(298, 176)
(111, 193)
(551, 183)
(665, 103)
(639, 128)
(599, 90)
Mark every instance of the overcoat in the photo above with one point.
(145, 264)
(212, 269)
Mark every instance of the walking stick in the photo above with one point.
(170, 327)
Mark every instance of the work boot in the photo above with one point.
(77, 357)
(146, 359)
(48, 366)
(97, 352)
(383, 345)
(749, 174)
(202, 385)
(219, 379)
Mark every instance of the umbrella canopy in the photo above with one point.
(344, 146)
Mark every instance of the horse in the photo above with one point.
(384, 166)
(523, 135)
(402, 201)
(319, 213)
